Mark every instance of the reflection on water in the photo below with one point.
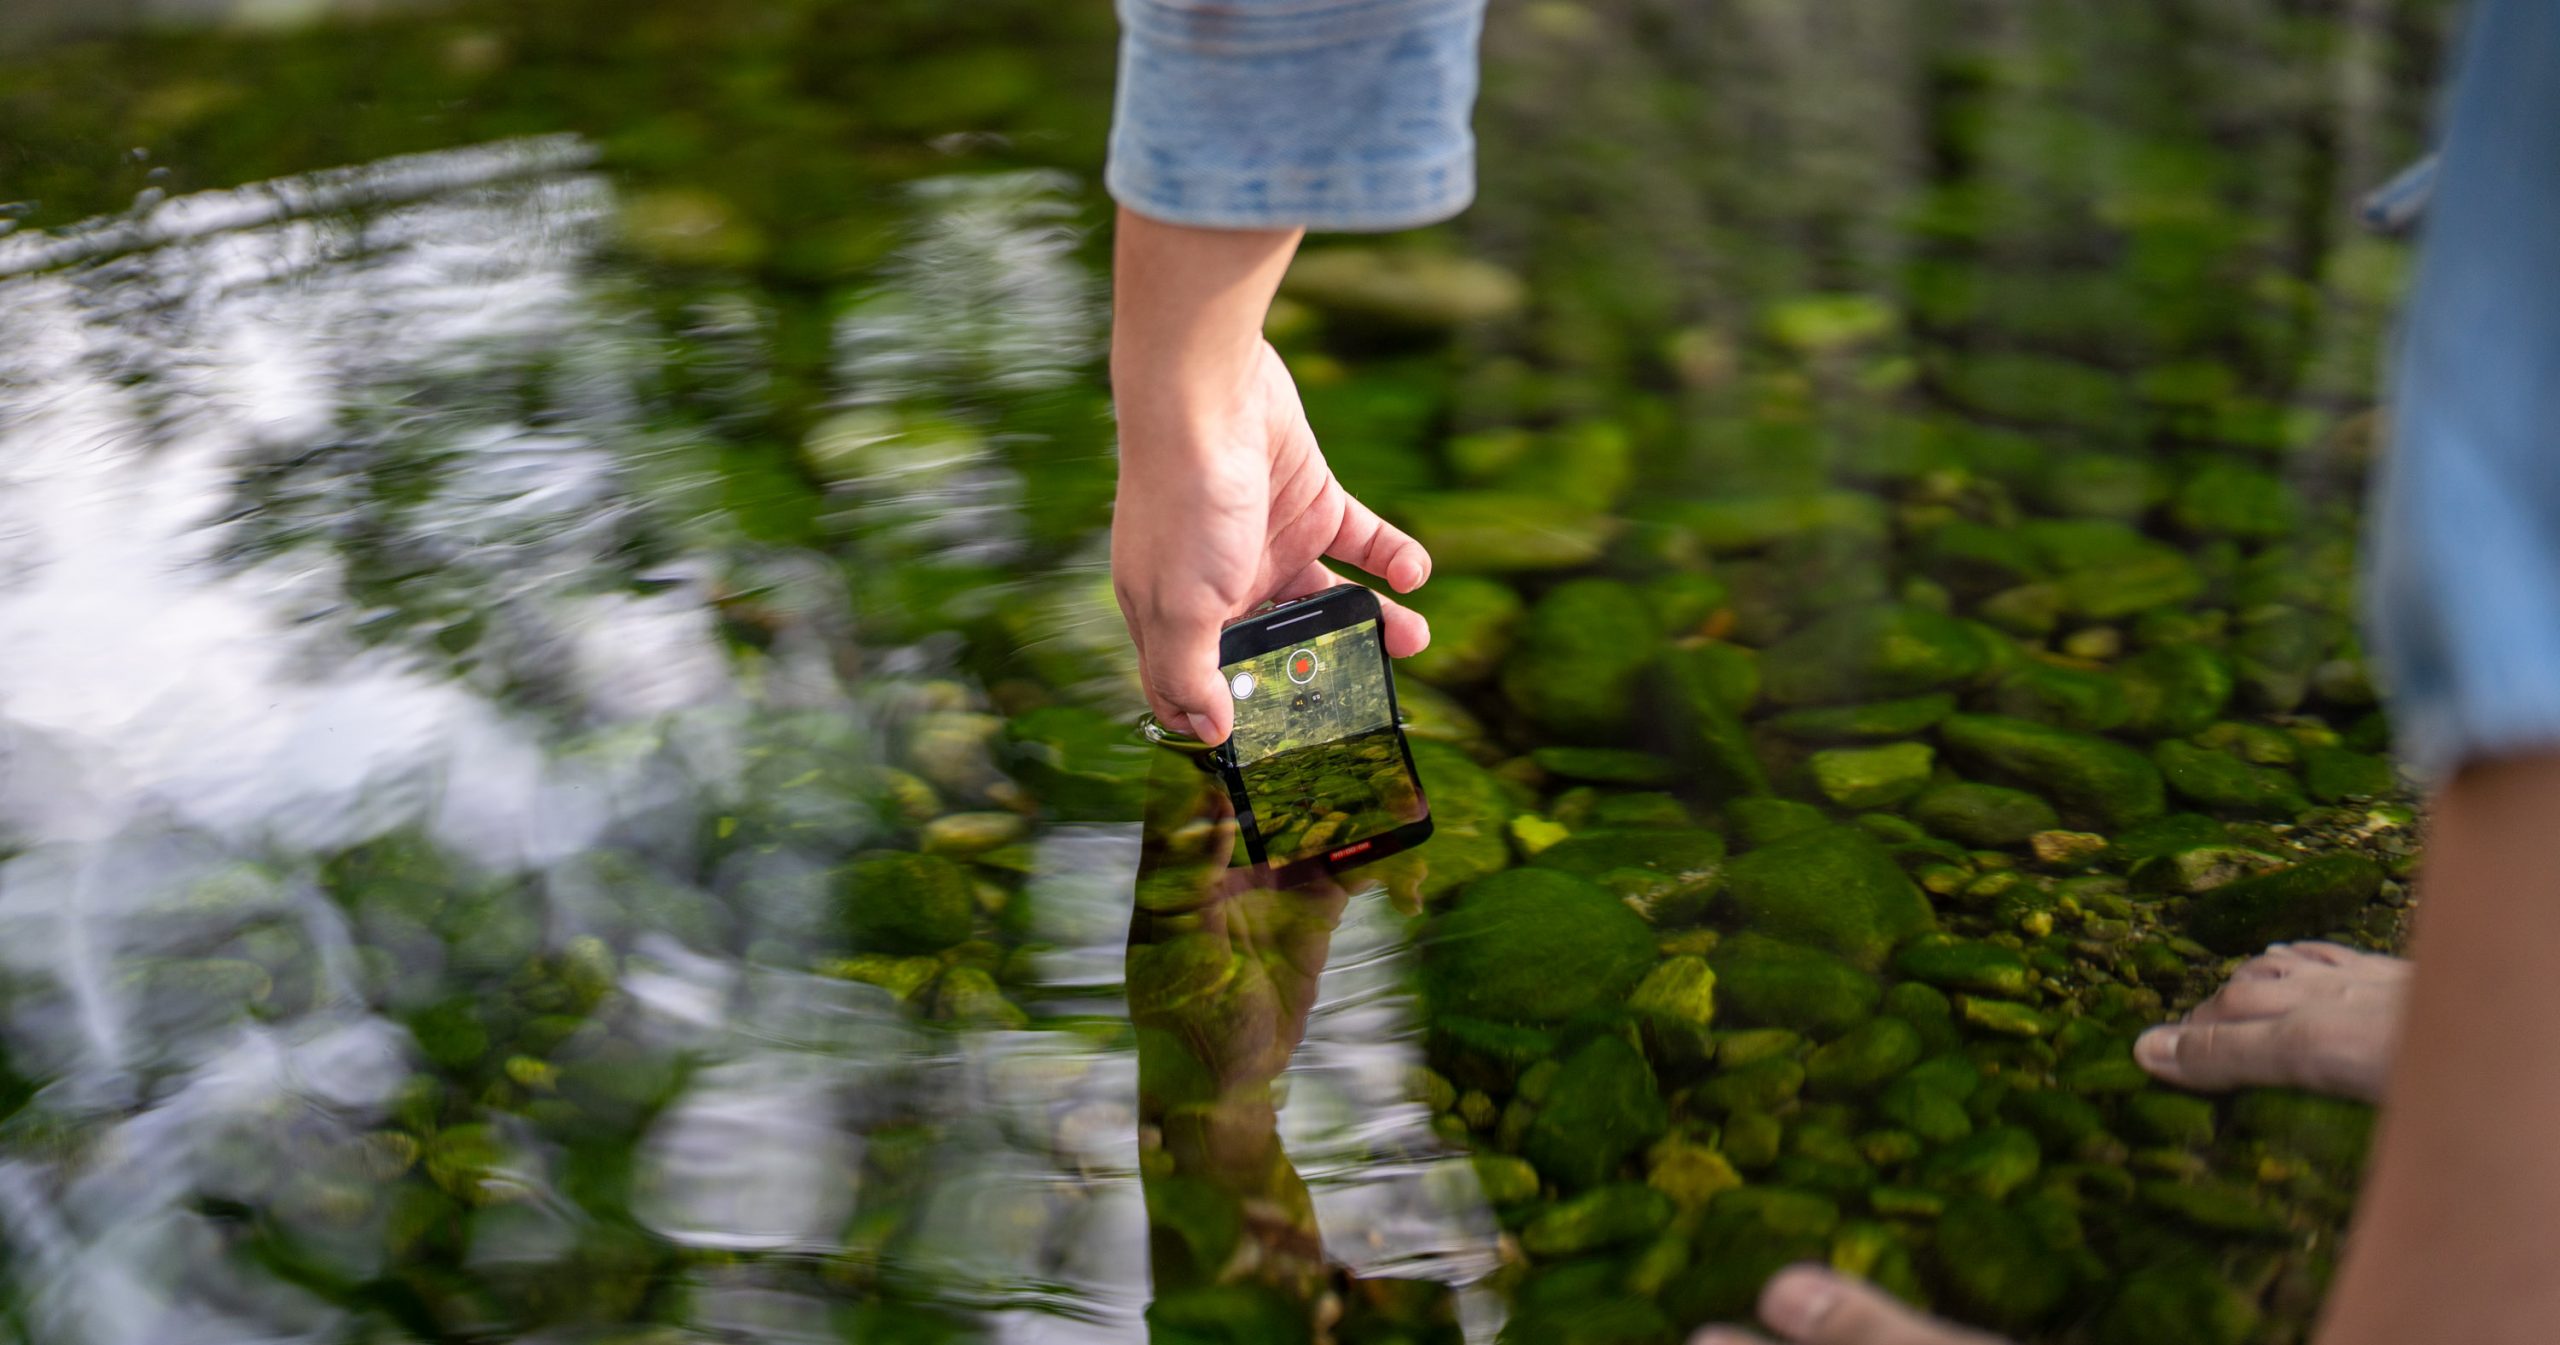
(421, 813)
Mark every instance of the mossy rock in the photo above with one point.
(1602, 1107)
(2090, 779)
(1751, 522)
(1608, 1216)
(1773, 983)
(2184, 1301)
(1983, 816)
(2225, 783)
(1469, 810)
(1836, 889)
(1665, 873)
(1081, 765)
(2332, 1134)
(1975, 560)
(1582, 653)
(1495, 532)
(1862, 1059)
(1988, 1163)
(1765, 821)
(1965, 964)
(1533, 945)
(2337, 774)
(1871, 652)
(2222, 498)
(1873, 721)
(1998, 1269)
(2174, 690)
(2085, 699)
(2307, 900)
(1472, 619)
(904, 903)
(1696, 686)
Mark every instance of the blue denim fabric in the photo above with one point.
(1326, 114)
(2464, 580)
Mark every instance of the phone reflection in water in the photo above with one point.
(1294, 1189)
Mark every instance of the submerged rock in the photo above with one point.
(1620, 1212)
(1870, 652)
(2221, 781)
(1602, 1107)
(2184, 1302)
(1862, 1059)
(2307, 900)
(1697, 685)
(1997, 1267)
(1493, 532)
(1533, 945)
(1403, 286)
(1472, 619)
(1581, 654)
(904, 903)
(1965, 964)
(1874, 721)
(1871, 777)
(1779, 984)
(2088, 777)
(1983, 816)
(1835, 889)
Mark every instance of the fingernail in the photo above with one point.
(2156, 1049)
(1798, 1300)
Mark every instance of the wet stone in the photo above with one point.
(2085, 776)
(1874, 721)
(1835, 889)
(1534, 945)
(1766, 821)
(1997, 1267)
(2226, 784)
(2309, 899)
(1621, 1212)
(1865, 653)
(1472, 619)
(1582, 651)
(1985, 816)
(1602, 1108)
(1871, 777)
(2184, 1302)
(1860, 1060)
(1965, 964)
(1772, 983)
(904, 903)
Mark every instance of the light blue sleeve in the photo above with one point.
(2465, 580)
(1326, 114)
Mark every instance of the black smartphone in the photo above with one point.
(1318, 766)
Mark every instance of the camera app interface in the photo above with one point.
(1317, 741)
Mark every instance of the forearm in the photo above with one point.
(2449, 1241)
(1187, 312)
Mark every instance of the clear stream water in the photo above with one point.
(565, 754)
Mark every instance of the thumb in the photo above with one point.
(1178, 662)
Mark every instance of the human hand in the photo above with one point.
(1810, 1305)
(1225, 502)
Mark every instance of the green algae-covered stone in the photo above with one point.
(1752, 1044)
(2184, 1301)
(1602, 1107)
(1676, 1003)
(2087, 777)
(1860, 1060)
(1533, 945)
(2065, 697)
(2174, 690)
(1704, 727)
(1081, 764)
(1766, 821)
(1620, 1212)
(1965, 964)
(1984, 816)
(1691, 1174)
(2214, 1206)
(1782, 1210)
(2223, 782)
(1998, 1269)
(1582, 651)
(1976, 559)
(1836, 889)
(1874, 721)
(1871, 777)
(1770, 982)
(2309, 899)
(1496, 532)
(1750, 522)
(2223, 498)
(2154, 576)
(1472, 619)
(1875, 651)
(903, 903)
(1469, 809)
(2001, 1017)
(2329, 1133)
(2060, 1120)
(2336, 774)
(1927, 1008)
(1606, 765)
(1504, 1179)
(2180, 1119)
(1921, 1107)
(2164, 835)
(1733, 1255)
(1988, 1163)
(1684, 856)
(1751, 1139)
(1761, 1086)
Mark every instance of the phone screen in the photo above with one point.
(1317, 744)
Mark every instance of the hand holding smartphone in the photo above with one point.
(1318, 766)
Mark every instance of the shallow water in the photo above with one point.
(565, 752)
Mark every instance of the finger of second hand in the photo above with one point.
(1726, 1335)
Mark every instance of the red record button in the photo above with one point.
(1302, 666)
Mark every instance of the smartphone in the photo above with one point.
(1318, 766)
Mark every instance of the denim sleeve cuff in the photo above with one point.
(2465, 583)
(1344, 115)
